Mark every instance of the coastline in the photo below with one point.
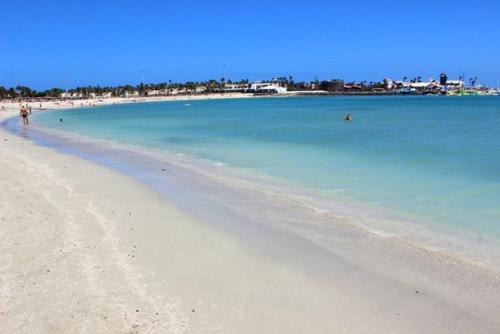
(6, 107)
(404, 291)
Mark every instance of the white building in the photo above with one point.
(232, 87)
(131, 94)
(201, 89)
(455, 84)
(152, 92)
(267, 87)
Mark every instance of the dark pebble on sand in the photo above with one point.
(163, 169)
(417, 291)
(193, 310)
(137, 310)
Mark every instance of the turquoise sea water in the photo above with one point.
(434, 159)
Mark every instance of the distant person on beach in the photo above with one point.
(30, 108)
(348, 117)
(24, 115)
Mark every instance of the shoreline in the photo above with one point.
(58, 104)
(442, 240)
(466, 246)
(399, 292)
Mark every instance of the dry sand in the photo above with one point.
(9, 107)
(86, 249)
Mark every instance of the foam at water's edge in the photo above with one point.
(277, 203)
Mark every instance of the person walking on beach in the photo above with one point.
(24, 115)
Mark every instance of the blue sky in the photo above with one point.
(67, 43)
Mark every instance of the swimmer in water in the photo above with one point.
(348, 117)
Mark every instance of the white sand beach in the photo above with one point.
(87, 249)
(37, 104)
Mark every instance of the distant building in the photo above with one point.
(232, 87)
(201, 89)
(389, 84)
(152, 92)
(352, 87)
(267, 87)
(405, 90)
(455, 84)
(443, 78)
(420, 85)
(131, 93)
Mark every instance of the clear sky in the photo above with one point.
(67, 43)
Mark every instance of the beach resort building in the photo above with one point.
(71, 95)
(200, 89)
(234, 87)
(429, 87)
(152, 92)
(267, 87)
(454, 84)
(131, 93)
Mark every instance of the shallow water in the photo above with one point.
(430, 159)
